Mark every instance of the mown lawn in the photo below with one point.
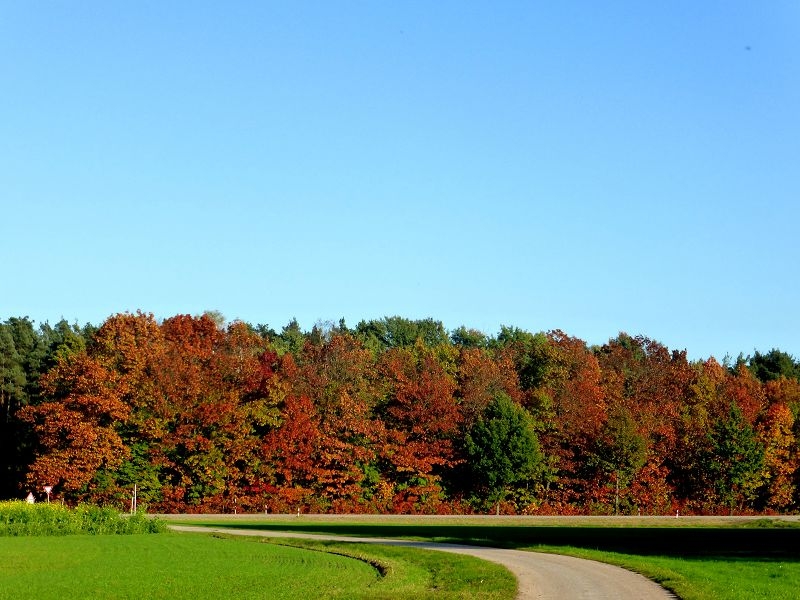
(199, 566)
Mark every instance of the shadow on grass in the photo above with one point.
(770, 543)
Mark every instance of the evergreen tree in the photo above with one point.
(502, 449)
(735, 461)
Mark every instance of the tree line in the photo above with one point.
(393, 415)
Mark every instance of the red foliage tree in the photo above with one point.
(644, 379)
(422, 418)
(747, 392)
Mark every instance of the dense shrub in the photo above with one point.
(21, 518)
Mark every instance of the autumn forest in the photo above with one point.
(391, 416)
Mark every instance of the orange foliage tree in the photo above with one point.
(77, 428)
(422, 417)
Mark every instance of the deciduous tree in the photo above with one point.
(77, 426)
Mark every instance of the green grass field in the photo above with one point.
(699, 559)
(198, 566)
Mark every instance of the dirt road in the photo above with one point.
(540, 576)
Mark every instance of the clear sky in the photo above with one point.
(591, 167)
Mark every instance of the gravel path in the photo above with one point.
(540, 576)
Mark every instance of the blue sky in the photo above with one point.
(591, 167)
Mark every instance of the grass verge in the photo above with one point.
(705, 577)
(423, 574)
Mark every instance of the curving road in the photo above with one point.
(540, 576)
